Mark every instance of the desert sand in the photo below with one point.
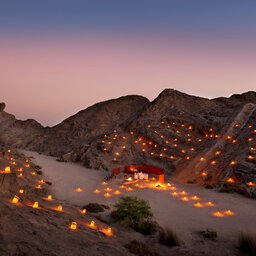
(169, 210)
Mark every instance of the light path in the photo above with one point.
(168, 210)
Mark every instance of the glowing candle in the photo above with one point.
(7, 169)
(209, 204)
(35, 205)
(15, 199)
(73, 225)
(218, 214)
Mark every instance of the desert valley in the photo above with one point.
(191, 160)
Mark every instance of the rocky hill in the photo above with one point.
(211, 142)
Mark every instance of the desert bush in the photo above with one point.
(93, 207)
(38, 167)
(168, 237)
(191, 181)
(39, 172)
(48, 183)
(140, 249)
(210, 234)
(132, 210)
(105, 206)
(247, 243)
(147, 227)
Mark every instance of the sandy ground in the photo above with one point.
(168, 210)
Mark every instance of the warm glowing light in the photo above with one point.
(117, 192)
(59, 208)
(20, 170)
(108, 189)
(49, 197)
(83, 211)
(15, 199)
(73, 225)
(79, 190)
(168, 185)
(228, 212)
(218, 214)
(213, 162)
(209, 204)
(27, 165)
(41, 181)
(174, 193)
(35, 205)
(107, 195)
(21, 191)
(96, 191)
(204, 174)
(9, 151)
(217, 152)
(183, 193)
(228, 137)
(123, 147)
(129, 189)
(20, 175)
(173, 188)
(185, 199)
(250, 184)
(129, 179)
(232, 162)
(198, 205)
(7, 169)
(14, 163)
(117, 154)
(38, 187)
(250, 157)
(231, 180)
(234, 141)
(104, 183)
(195, 198)
(202, 159)
(122, 186)
(92, 224)
(33, 173)
(250, 139)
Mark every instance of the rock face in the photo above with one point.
(2, 106)
(183, 134)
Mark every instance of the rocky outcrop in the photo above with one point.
(2, 106)
(173, 132)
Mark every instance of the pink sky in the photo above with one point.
(52, 78)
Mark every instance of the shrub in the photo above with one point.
(210, 234)
(93, 207)
(147, 227)
(168, 238)
(38, 167)
(105, 206)
(191, 182)
(132, 210)
(39, 172)
(140, 249)
(48, 183)
(247, 243)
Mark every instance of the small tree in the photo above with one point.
(133, 211)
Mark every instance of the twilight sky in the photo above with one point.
(58, 57)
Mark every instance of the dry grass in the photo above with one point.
(168, 237)
(247, 243)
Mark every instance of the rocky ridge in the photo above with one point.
(193, 138)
